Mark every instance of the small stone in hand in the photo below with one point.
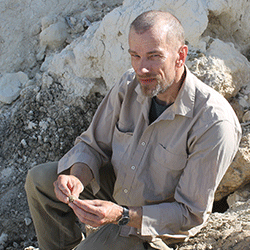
(72, 198)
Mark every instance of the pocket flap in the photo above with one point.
(169, 159)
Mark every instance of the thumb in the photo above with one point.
(61, 191)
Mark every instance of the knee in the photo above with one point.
(41, 176)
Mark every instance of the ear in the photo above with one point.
(182, 55)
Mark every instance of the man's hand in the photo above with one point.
(96, 213)
(73, 184)
(67, 185)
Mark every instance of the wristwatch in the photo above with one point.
(125, 217)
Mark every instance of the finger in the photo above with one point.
(90, 206)
(85, 217)
(77, 190)
(59, 193)
(84, 206)
(75, 186)
(62, 184)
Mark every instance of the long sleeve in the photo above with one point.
(93, 147)
(210, 153)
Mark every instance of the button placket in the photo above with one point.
(134, 163)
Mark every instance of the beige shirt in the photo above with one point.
(171, 167)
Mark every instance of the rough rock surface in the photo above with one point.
(19, 36)
(41, 126)
(222, 67)
(229, 230)
(58, 61)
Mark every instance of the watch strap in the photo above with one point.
(125, 217)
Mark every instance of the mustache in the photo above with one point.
(146, 76)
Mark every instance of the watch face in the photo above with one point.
(123, 221)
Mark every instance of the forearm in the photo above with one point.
(82, 172)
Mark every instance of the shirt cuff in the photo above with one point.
(162, 219)
(150, 220)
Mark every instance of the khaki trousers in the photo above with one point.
(55, 222)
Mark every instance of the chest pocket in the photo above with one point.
(163, 175)
(120, 144)
(169, 160)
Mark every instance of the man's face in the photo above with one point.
(153, 60)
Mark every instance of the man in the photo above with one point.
(147, 168)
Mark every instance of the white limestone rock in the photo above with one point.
(11, 85)
(20, 26)
(76, 65)
(222, 67)
(47, 21)
(229, 20)
(3, 240)
(54, 35)
(214, 73)
(235, 61)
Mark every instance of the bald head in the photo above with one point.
(154, 18)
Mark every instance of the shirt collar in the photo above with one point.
(184, 103)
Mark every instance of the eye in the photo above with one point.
(154, 57)
(135, 56)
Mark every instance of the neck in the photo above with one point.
(169, 96)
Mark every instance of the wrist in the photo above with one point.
(136, 215)
(125, 218)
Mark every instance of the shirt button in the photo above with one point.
(133, 167)
(143, 143)
(125, 191)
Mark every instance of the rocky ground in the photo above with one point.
(228, 230)
(61, 82)
(34, 135)
(40, 126)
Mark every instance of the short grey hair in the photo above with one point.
(148, 19)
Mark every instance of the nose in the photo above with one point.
(143, 67)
